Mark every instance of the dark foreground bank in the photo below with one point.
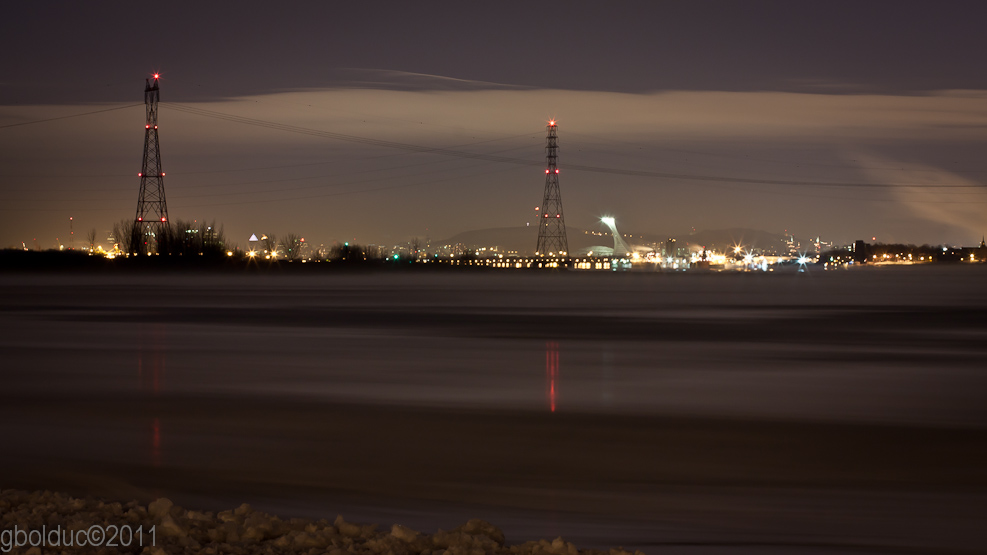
(52, 522)
(661, 484)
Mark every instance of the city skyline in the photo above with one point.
(819, 149)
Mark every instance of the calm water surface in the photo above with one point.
(823, 412)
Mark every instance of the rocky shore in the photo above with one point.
(56, 519)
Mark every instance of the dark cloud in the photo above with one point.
(59, 52)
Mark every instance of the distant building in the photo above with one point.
(859, 251)
(670, 250)
(973, 254)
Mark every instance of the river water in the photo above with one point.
(824, 412)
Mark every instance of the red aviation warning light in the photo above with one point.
(552, 236)
(152, 211)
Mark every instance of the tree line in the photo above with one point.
(179, 237)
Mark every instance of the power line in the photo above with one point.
(577, 167)
(745, 157)
(340, 193)
(493, 158)
(277, 180)
(69, 116)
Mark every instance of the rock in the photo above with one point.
(232, 531)
(477, 527)
(562, 547)
(159, 507)
(252, 535)
(347, 529)
(404, 533)
(304, 540)
(195, 515)
(169, 528)
(215, 534)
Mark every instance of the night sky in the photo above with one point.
(844, 120)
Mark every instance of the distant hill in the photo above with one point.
(725, 239)
(523, 239)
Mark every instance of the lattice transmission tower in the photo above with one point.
(552, 240)
(152, 210)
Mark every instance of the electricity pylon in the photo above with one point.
(152, 210)
(552, 239)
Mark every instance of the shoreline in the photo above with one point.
(596, 480)
(51, 520)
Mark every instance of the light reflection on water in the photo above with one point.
(552, 372)
(749, 348)
(718, 378)
(152, 350)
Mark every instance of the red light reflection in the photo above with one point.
(151, 349)
(552, 372)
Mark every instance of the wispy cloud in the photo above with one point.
(771, 146)
(388, 79)
(678, 115)
(947, 198)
